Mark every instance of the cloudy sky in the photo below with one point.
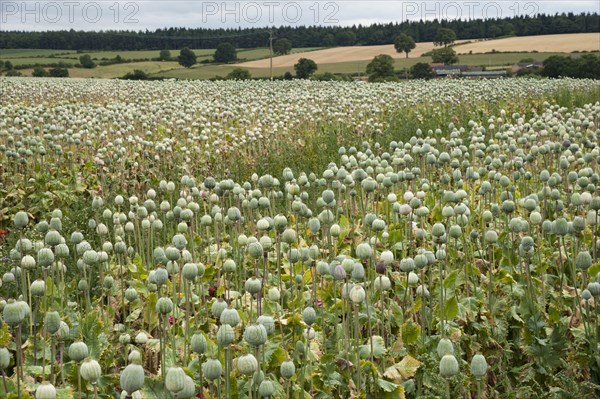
(152, 14)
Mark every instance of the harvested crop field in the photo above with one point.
(566, 43)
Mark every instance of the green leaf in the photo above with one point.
(451, 308)
(378, 347)
(450, 280)
(410, 332)
(386, 385)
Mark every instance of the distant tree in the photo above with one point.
(282, 47)
(225, 53)
(422, 70)
(58, 72)
(556, 66)
(8, 65)
(239, 74)
(304, 68)
(445, 55)
(345, 38)
(444, 36)
(164, 55)
(86, 61)
(287, 76)
(118, 59)
(187, 58)
(381, 69)
(1, 64)
(13, 72)
(404, 43)
(39, 72)
(137, 74)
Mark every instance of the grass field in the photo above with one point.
(487, 60)
(352, 59)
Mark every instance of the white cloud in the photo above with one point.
(141, 15)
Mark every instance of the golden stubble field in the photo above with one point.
(564, 43)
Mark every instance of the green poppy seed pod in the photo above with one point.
(189, 389)
(363, 251)
(38, 288)
(132, 378)
(338, 273)
(328, 196)
(24, 245)
(314, 225)
(255, 250)
(45, 257)
(27, 262)
(382, 283)
(274, 295)
(255, 335)
(358, 272)
(108, 282)
(560, 227)
(82, 285)
(583, 260)
(357, 294)
(45, 391)
(247, 364)
(448, 366)
(438, 230)
(141, 338)
(161, 276)
(212, 369)
(198, 343)
(455, 231)
(131, 294)
(413, 279)
(52, 322)
(172, 254)
(420, 261)
(225, 335)
(12, 313)
(229, 266)
(378, 225)
(335, 230)
(78, 351)
(175, 380)
(8, 278)
(266, 389)
(190, 271)
(230, 316)
(478, 366)
(91, 257)
(594, 288)
(5, 357)
(289, 236)
(124, 339)
(164, 306)
(267, 322)
(253, 285)
(407, 265)
(21, 220)
(445, 347)
(309, 315)
(90, 371)
(491, 237)
(218, 307)
(586, 294)
(178, 242)
(62, 250)
(287, 369)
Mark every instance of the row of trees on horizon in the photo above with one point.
(301, 36)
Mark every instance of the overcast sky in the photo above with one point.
(153, 14)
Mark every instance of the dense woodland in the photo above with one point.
(301, 36)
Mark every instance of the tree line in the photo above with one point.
(301, 36)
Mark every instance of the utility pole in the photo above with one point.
(271, 52)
